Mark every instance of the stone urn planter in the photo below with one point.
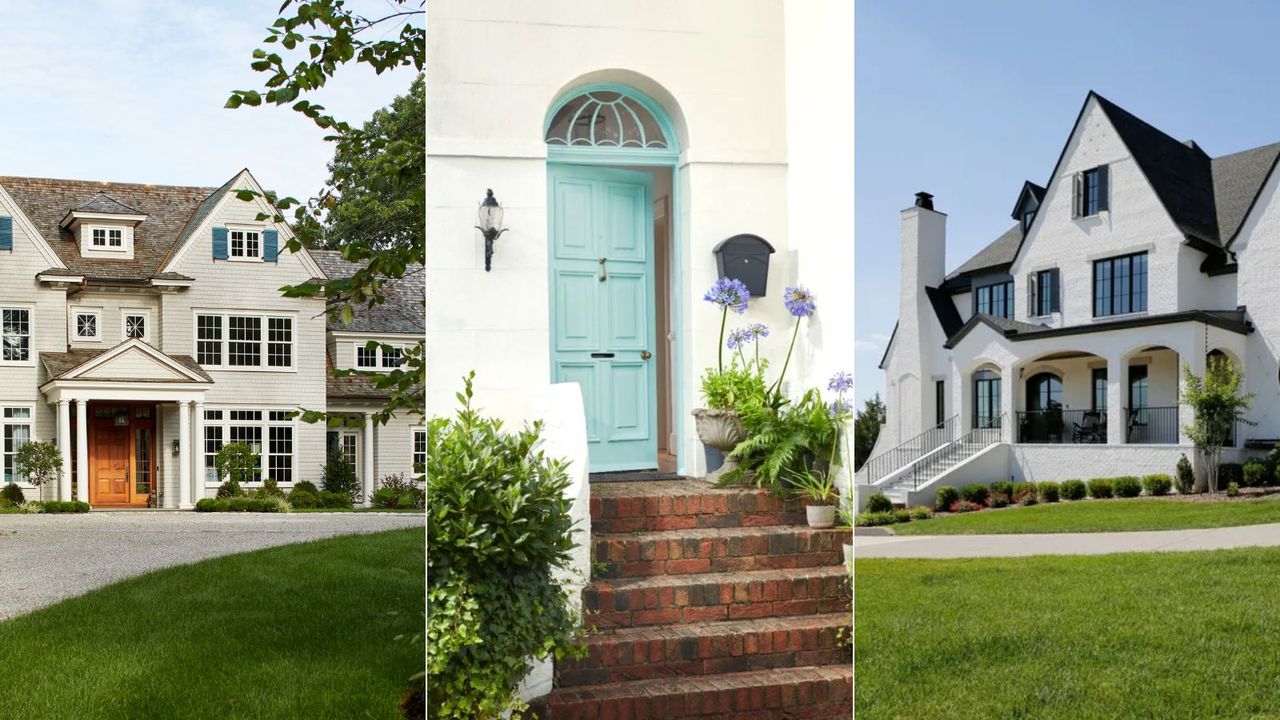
(722, 430)
(820, 516)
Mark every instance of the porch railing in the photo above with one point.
(1057, 425)
(908, 452)
(1151, 426)
(963, 448)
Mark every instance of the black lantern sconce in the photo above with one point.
(490, 226)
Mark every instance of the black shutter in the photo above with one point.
(1033, 308)
(1103, 188)
(1056, 298)
(1077, 199)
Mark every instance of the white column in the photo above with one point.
(1117, 399)
(1009, 402)
(64, 448)
(184, 455)
(82, 450)
(368, 459)
(197, 453)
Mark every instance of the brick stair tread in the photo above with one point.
(659, 581)
(666, 488)
(718, 627)
(713, 533)
(669, 686)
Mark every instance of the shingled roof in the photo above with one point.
(103, 203)
(404, 310)
(168, 208)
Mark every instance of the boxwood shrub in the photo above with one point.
(920, 512)
(12, 493)
(1073, 490)
(946, 497)
(1100, 488)
(63, 506)
(1126, 486)
(1157, 484)
(242, 504)
(1255, 473)
(1049, 491)
(879, 503)
(874, 519)
(1024, 493)
(975, 493)
(902, 515)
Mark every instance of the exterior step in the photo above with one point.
(669, 599)
(792, 693)
(685, 504)
(682, 552)
(707, 649)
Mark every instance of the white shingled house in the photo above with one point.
(1057, 350)
(142, 326)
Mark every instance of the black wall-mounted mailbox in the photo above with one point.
(745, 257)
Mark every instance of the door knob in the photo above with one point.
(645, 354)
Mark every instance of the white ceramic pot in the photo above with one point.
(820, 516)
(722, 430)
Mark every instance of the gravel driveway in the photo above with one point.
(47, 558)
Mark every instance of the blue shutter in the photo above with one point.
(219, 243)
(270, 245)
(6, 233)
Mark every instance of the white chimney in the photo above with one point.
(917, 342)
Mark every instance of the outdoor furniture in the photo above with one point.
(1090, 430)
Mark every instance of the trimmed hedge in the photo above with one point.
(1073, 489)
(1024, 493)
(1255, 475)
(1157, 484)
(1100, 488)
(63, 506)
(975, 493)
(920, 512)
(1126, 486)
(300, 498)
(874, 519)
(878, 503)
(242, 504)
(1049, 491)
(12, 493)
(946, 497)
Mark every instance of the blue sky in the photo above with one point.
(132, 90)
(968, 100)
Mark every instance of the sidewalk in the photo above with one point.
(1102, 543)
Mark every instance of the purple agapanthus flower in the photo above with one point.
(738, 338)
(838, 407)
(841, 382)
(799, 301)
(729, 293)
(757, 330)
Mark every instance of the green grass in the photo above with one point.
(1158, 635)
(298, 631)
(1099, 516)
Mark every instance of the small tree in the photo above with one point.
(1218, 405)
(38, 462)
(866, 428)
(237, 463)
(340, 476)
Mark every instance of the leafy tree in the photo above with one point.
(237, 463)
(1218, 406)
(377, 173)
(339, 476)
(38, 462)
(866, 428)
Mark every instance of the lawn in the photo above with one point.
(297, 631)
(1099, 516)
(1159, 635)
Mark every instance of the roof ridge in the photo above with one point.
(104, 183)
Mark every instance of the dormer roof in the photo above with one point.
(105, 204)
(1031, 195)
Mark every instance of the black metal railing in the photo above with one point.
(1151, 426)
(959, 450)
(1058, 425)
(908, 452)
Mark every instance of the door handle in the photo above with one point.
(645, 354)
(604, 272)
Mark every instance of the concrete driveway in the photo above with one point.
(47, 558)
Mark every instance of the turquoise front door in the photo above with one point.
(602, 308)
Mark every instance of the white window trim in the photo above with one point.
(30, 422)
(263, 340)
(126, 238)
(258, 230)
(413, 444)
(76, 312)
(126, 313)
(378, 367)
(265, 423)
(31, 335)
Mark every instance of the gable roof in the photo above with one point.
(404, 310)
(1238, 179)
(60, 365)
(1001, 251)
(948, 316)
(103, 203)
(45, 201)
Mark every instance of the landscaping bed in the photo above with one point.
(1128, 515)
(1120, 636)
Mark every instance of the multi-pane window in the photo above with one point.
(366, 357)
(108, 237)
(269, 433)
(1092, 187)
(15, 335)
(1099, 388)
(419, 451)
(249, 341)
(17, 432)
(1120, 285)
(1046, 291)
(986, 397)
(87, 325)
(374, 355)
(246, 244)
(995, 300)
(135, 326)
(392, 357)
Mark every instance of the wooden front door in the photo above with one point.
(121, 454)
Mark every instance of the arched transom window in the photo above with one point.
(605, 118)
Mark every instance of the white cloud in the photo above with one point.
(876, 341)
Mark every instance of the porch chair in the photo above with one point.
(1086, 432)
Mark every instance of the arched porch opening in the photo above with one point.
(1151, 393)
(1064, 398)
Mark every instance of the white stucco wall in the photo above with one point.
(1258, 249)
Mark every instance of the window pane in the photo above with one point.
(1139, 283)
(244, 346)
(280, 459)
(392, 357)
(212, 444)
(419, 451)
(366, 357)
(209, 339)
(280, 342)
(1102, 288)
(16, 332)
(135, 326)
(252, 436)
(86, 325)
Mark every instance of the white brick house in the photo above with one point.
(143, 326)
(1056, 352)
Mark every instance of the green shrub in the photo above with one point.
(1233, 490)
(963, 506)
(237, 464)
(1126, 486)
(902, 515)
(879, 503)
(1254, 472)
(1100, 488)
(326, 500)
(1184, 477)
(12, 493)
(269, 504)
(306, 486)
(1049, 491)
(1230, 473)
(339, 476)
(975, 493)
(945, 498)
(406, 492)
(1073, 490)
(229, 489)
(874, 519)
(63, 506)
(920, 512)
(385, 498)
(1024, 493)
(1157, 484)
(499, 531)
(1004, 486)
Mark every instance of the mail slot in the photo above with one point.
(745, 257)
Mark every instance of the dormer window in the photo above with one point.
(246, 245)
(104, 227)
(1027, 217)
(108, 238)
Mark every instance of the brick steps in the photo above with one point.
(668, 599)
(824, 693)
(682, 505)
(680, 552)
(708, 648)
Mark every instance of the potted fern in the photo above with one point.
(817, 488)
